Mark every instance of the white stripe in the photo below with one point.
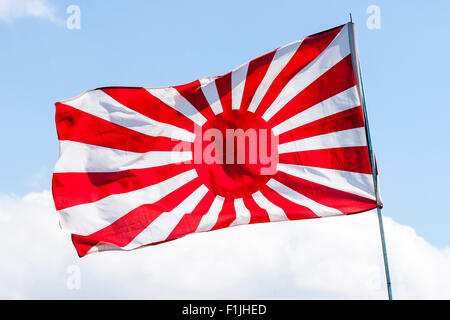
(275, 213)
(281, 58)
(243, 215)
(212, 96)
(352, 182)
(88, 218)
(81, 157)
(338, 49)
(238, 78)
(174, 99)
(210, 218)
(101, 105)
(204, 81)
(319, 209)
(340, 102)
(164, 224)
(340, 139)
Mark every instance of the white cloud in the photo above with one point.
(14, 9)
(332, 258)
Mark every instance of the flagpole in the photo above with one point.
(359, 82)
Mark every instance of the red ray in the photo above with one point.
(292, 210)
(355, 159)
(309, 49)
(76, 125)
(337, 79)
(226, 216)
(257, 69)
(345, 202)
(74, 188)
(122, 231)
(144, 102)
(348, 119)
(190, 221)
(195, 96)
(223, 84)
(258, 214)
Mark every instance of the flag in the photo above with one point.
(282, 137)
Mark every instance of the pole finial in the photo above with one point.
(351, 20)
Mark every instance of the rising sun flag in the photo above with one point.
(282, 137)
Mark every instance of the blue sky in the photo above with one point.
(404, 64)
(157, 43)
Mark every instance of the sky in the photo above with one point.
(404, 64)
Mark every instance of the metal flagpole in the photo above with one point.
(359, 83)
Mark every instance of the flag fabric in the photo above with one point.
(282, 137)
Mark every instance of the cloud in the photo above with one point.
(15, 9)
(332, 258)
